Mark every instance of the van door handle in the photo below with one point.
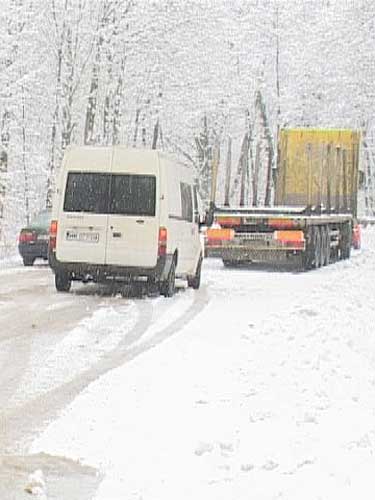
(116, 235)
(140, 221)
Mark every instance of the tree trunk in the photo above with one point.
(255, 179)
(4, 158)
(270, 147)
(228, 172)
(136, 127)
(244, 169)
(24, 165)
(155, 135)
(117, 104)
(92, 100)
(369, 184)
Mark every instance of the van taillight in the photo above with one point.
(162, 246)
(52, 235)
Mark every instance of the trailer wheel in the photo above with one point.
(345, 243)
(308, 254)
(317, 248)
(326, 246)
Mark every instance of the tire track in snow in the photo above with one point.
(19, 426)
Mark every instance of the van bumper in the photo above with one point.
(84, 271)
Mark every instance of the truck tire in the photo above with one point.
(345, 242)
(195, 281)
(326, 246)
(167, 288)
(62, 282)
(317, 248)
(308, 254)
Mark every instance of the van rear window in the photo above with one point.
(133, 195)
(87, 192)
(110, 194)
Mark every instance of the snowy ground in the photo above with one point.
(261, 385)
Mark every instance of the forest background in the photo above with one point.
(186, 76)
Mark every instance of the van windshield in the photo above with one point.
(110, 194)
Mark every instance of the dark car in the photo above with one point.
(33, 239)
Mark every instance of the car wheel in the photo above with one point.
(28, 261)
(167, 287)
(195, 281)
(229, 263)
(62, 282)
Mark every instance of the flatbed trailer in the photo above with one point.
(309, 240)
(315, 218)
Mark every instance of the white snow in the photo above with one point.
(261, 386)
(78, 351)
(36, 485)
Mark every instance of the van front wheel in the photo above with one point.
(62, 282)
(167, 288)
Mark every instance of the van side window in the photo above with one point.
(186, 202)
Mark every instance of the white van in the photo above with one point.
(125, 214)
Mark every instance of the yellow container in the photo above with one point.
(318, 167)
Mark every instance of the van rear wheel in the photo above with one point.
(195, 281)
(62, 282)
(167, 288)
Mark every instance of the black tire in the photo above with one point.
(326, 248)
(317, 248)
(195, 281)
(62, 282)
(167, 287)
(229, 263)
(28, 261)
(346, 243)
(307, 259)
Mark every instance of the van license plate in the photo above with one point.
(84, 237)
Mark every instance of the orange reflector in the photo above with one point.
(281, 223)
(229, 221)
(286, 236)
(220, 234)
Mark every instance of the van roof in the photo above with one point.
(152, 154)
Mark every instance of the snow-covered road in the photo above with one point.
(260, 385)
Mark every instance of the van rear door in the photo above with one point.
(133, 225)
(83, 214)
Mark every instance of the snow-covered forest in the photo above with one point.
(187, 76)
